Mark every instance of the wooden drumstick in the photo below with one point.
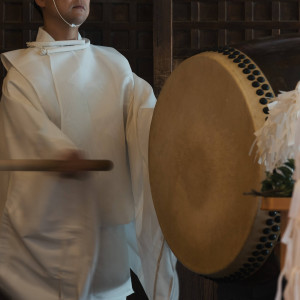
(55, 165)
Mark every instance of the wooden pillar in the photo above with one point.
(222, 17)
(275, 16)
(162, 42)
(249, 34)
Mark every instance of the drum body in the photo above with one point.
(201, 134)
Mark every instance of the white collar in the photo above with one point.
(48, 45)
(44, 36)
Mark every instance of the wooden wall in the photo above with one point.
(181, 28)
(204, 24)
(198, 25)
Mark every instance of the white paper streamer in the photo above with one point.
(276, 139)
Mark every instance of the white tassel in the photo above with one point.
(276, 139)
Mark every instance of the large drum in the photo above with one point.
(202, 130)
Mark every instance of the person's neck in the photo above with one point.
(61, 33)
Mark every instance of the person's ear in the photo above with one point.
(41, 3)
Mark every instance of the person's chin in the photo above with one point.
(78, 21)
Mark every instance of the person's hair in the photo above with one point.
(38, 8)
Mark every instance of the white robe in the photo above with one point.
(63, 238)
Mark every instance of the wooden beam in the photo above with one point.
(162, 42)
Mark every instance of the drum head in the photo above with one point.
(202, 130)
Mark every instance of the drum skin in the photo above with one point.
(199, 164)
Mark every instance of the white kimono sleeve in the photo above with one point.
(157, 269)
(27, 129)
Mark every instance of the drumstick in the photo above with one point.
(55, 165)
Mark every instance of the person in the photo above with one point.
(67, 236)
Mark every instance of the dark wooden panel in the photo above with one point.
(235, 36)
(182, 39)
(259, 33)
(235, 11)
(13, 12)
(96, 12)
(145, 12)
(120, 39)
(144, 39)
(182, 11)
(208, 38)
(289, 10)
(120, 12)
(13, 39)
(262, 10)
(208, 11)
